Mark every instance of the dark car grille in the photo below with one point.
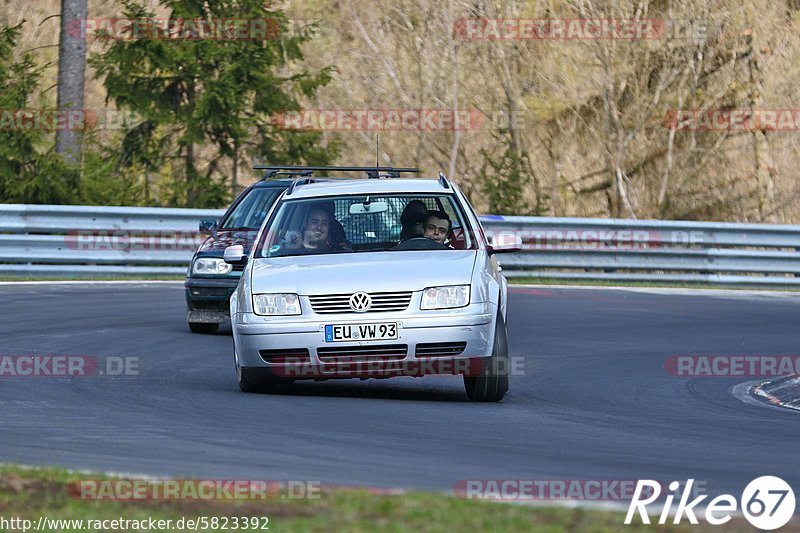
(340, 303)
(210, 292)
(355, 354)
(440, 349)
(288, 355)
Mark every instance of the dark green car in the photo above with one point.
(210, 280)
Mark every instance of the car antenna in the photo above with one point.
(377, 156)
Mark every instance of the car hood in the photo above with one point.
(215, 246)
(365, 271)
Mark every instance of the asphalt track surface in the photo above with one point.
(593, 401)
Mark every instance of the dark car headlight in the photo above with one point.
(211, 265)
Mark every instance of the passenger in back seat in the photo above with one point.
(413, 220)
(338, 238)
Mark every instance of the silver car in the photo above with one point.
(371, 278)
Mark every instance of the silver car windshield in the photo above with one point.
(366, 223)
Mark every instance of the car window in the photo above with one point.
(250, 212)
(363, 223)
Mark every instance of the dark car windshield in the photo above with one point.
(366, 223)
(250, 212)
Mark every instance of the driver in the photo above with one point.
(316, 229)
(315, 235)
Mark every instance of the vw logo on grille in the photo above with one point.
(360, 302)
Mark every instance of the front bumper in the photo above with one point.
(208, 299)
(284, 348)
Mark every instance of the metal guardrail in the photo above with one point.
(90, 241)
(717, 253)
(46, 240)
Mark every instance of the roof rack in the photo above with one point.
(299, 181)
(306, 171)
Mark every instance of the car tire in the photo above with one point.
(248, 382)
(492, 383)
(203, 327)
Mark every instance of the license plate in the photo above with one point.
(360, 332)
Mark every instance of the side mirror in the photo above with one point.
(505, 242)
(234, 255)
(208, 226)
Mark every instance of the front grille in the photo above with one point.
(440, 349)
(288, 355)
(340, 303)
(356, 354)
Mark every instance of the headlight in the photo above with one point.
(276, 304)
(448, 297)
(210, 265)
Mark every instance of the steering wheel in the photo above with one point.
(420, 243)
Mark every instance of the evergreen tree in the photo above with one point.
(30, 171)
(506, 180)
(193, 94)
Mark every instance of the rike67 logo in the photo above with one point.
(767, 503)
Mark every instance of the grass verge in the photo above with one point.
(33, 493)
